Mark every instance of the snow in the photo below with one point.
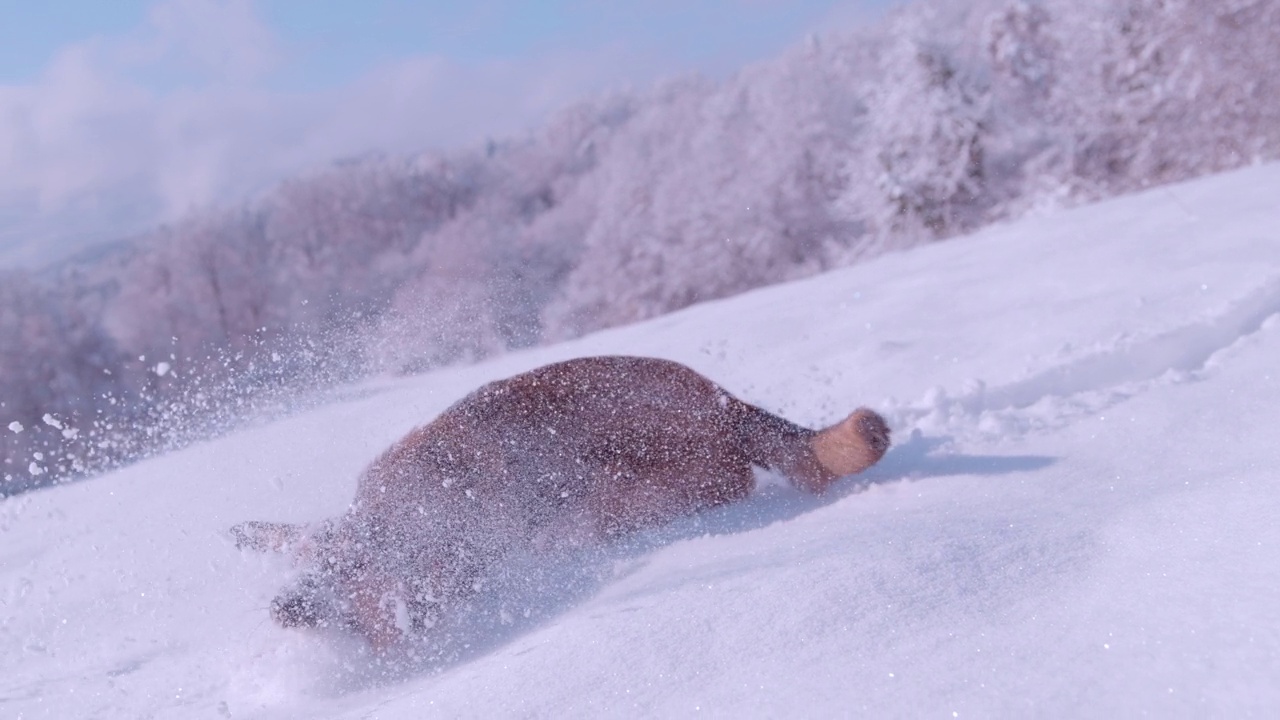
(1077, 517)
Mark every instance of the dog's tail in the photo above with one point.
(266, 536)
(300, 543)
(853, 444)
(811, 459)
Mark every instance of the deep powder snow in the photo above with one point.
(1077, 518)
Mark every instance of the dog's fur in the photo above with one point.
(593, 447)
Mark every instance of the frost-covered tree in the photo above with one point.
(479, 282)
(711, 190)
(931, 127)
(55, 376)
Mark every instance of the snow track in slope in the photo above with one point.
(1091, 383)
(1185, 349)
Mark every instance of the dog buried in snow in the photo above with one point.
(594, 447)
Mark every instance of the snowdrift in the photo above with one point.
(1077, 519)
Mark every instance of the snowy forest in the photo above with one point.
(944, 117)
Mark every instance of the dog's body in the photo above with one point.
(592, 448)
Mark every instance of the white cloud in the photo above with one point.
(138, 120)
(121, 132)
(223, 40)
(180, 113)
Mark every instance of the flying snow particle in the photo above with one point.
(16, 426)
(35, 470)
(51, 421)
(162, 368)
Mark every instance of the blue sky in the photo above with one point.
(31, 32)
(335, 41)
(114, 114)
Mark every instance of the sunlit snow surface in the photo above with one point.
(1080, 516)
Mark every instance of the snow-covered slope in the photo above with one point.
(1078, 518)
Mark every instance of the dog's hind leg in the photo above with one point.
(266, 536)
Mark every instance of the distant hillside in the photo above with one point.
(945, 117)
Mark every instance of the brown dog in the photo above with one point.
(593, 447)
